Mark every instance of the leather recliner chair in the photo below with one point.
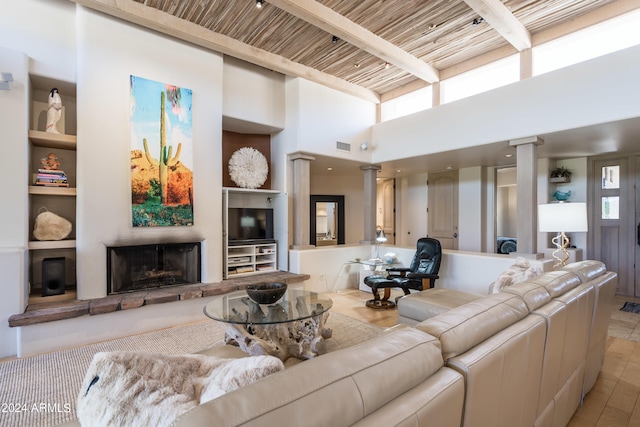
(422, 272)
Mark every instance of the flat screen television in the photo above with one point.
(249, 224)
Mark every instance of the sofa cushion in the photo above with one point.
(521, 270)
(423, 305)
(335, 389)
(461, 328)
(129, 388)
(556, 282)
(533, 294)
(586, 270)
(502, 376)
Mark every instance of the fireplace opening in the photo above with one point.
(134, 268)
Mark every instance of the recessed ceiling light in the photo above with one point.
(398, 170)
(508, 155)
(329, 169)
(449, 168)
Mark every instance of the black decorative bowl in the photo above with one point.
(266, 293)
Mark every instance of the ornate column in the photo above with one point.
(527, 196)
(301, 203)
(369, 213)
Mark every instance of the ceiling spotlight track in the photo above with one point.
(259, 3)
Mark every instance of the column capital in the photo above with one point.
(300, 156)
(370, 167)
(536, 140)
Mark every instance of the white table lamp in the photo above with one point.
(562, 218)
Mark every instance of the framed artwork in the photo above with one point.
(161, 154)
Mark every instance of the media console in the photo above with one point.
(245, 259)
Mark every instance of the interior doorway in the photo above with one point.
(386, 208)
(615, 218)
(506, 210)
(443, 208)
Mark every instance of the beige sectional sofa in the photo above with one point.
(522, 357)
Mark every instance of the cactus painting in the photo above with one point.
(161, 180)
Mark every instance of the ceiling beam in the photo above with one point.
(165, 23)
(336, 24)
(503, 21)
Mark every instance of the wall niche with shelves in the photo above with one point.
(56, 197)
(252, 256)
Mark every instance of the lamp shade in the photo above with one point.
(566, 217)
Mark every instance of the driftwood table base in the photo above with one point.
(302, 339)
(294, 326)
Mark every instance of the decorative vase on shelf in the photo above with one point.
(562, 196)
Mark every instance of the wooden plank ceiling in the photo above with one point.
(368, 48)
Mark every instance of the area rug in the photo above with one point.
(41, 391)
(631, 307)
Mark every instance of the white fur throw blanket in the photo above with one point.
(148, 389)
(521, 270)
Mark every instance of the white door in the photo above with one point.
(443, 208)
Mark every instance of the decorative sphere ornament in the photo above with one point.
(248, 168)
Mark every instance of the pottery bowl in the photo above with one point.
(266, 293)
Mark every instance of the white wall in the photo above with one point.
(14, 215)
(317, 117)
(13, 265)
(248, 89)
(45, 31)
(332, 269)
(597, 91)
(106, 58)
(353, 192)
(325, 116)
(28, 42)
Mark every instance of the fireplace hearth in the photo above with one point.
(135, 268)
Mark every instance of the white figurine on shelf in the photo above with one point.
(54, 112)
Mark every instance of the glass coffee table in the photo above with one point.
(294, 326)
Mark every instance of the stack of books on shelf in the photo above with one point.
(51, 178)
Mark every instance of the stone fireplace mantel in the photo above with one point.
(49, 312)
